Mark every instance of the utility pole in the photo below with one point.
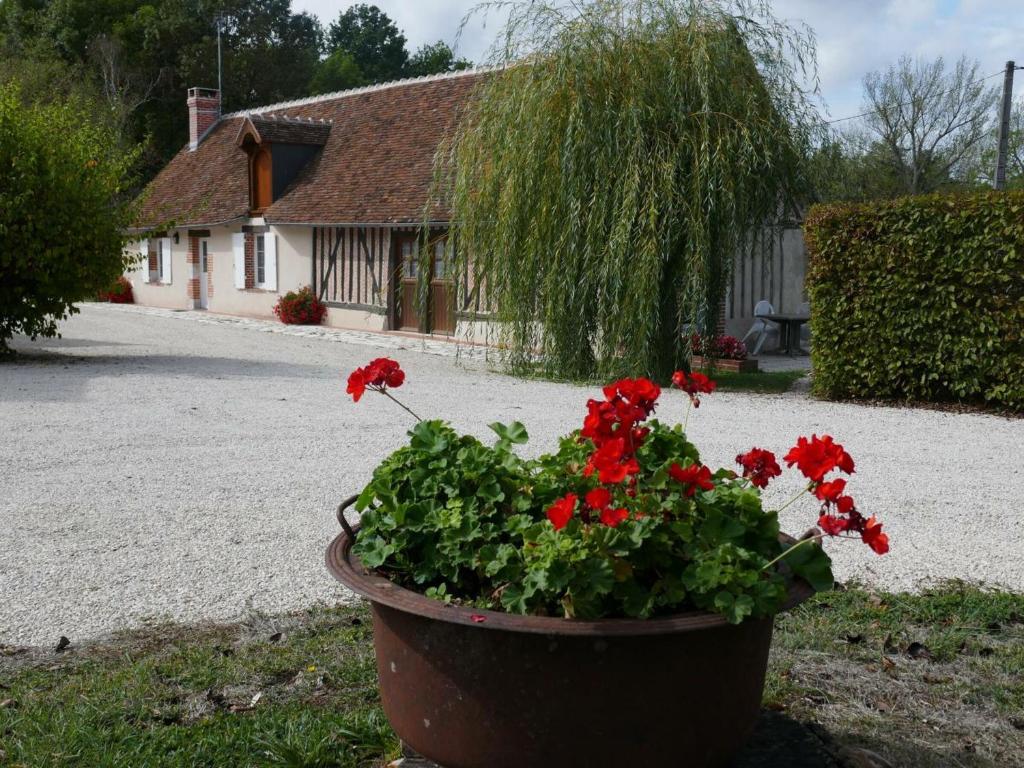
(1004, 126)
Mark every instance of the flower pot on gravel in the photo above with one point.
(472, 688)
(608, 604)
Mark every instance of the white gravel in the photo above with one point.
(159, 464)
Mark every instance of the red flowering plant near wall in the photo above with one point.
(301, 307)
(624, 519)
(719, 347)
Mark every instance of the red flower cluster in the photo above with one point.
(693, 384)
(720, 347)
(378, 375)
(759, 465)
(301, 307)
(693, 477)
(816, 458)
(611, 425)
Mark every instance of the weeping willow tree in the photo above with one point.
(608, 169)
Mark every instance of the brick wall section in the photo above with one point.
(250, 260)
(209, 275)
(192, 259)
(203, 112)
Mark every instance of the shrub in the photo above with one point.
(119, 293)
(719, 348)
(920, 298)
(300, 307)
(63, 219)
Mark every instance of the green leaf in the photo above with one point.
(509, 435)
(810, 563)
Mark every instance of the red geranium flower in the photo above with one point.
(356, 384)
(830, 492)
(599, 498)
(560, 513)
(872, 536)
(819, 456)
(759, 465)
(612, 517)
(693, 384)
(378, 375)
(692, 477)
(833, 526)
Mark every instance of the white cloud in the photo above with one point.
(854, 36)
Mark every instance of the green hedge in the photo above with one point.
(920, 298)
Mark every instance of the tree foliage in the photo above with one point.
(927, 128)
(62, 213)
(373, 40)
(928, 118)
(434, 58)
(650, 138)
(131, 61)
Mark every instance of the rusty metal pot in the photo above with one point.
(469, 688)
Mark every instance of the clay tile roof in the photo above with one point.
(376, 165)
(290, 130)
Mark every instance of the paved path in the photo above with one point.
(163, 464)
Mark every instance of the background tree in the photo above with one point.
(337, 72)
(928, 119)
(372, 39)
(63, 213)
(651, 140)
(435, 58)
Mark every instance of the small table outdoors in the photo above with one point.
(790, 330)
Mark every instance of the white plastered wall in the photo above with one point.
(171, 295)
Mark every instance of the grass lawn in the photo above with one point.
(926, 680)
(769, 382)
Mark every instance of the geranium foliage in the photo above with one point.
(623, 519)
(605, 176)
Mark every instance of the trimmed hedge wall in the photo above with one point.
(920, 298)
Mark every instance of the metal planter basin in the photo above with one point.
(513, 691)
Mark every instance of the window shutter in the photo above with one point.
(270, 262)
(165, 263)
(144, 249)
(238, 245)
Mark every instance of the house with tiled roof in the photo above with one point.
(329, 191)
(332, 192)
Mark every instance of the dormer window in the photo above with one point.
(278, 148)
(261, 175)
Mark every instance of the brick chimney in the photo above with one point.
(203, 112)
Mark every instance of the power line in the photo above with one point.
(909, 103)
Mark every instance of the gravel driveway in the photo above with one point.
(160, 464)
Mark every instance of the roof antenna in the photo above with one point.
(219, 20)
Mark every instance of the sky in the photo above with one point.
(853, 36)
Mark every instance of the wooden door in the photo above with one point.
(407, 281)
(442, 316)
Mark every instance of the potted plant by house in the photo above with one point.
(607, 604)
(721, 353)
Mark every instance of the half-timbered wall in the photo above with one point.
(773, 269)
(351, 265)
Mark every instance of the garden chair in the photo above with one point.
(762, 328)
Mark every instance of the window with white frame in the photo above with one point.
(261, 261)
(163, 260)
